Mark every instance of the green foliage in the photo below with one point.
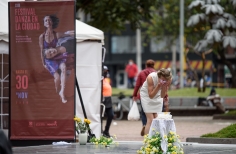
(204, 25)
(230, 113)
(111, 15)
(184, 92)
(165, 22)
(227, 132)
(103, 140)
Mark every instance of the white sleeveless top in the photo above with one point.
(155, 104)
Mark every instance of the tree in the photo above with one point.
(222, 22)
(165, 23)
(111, 15)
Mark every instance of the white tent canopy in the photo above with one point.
(83, 31)
(4, 21)
(86, 32)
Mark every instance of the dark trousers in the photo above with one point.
(130, 82)
(109, 113)
(143, 115)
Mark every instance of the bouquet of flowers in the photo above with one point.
(174, 146)
(103, 140)
(81, 126)
(152, 145)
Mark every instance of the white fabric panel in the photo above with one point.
(88, 73)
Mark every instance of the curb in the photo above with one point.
(219, 116)
(211, 140)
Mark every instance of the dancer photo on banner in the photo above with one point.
(53, 54)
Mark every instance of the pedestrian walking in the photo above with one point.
(149, 68)
(132, 70)
(107, 93)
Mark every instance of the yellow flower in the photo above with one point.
(173, 152)
(165, 136)
(88, 121)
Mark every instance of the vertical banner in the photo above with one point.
(42, 70)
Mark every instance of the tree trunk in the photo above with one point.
(229, 65)
(203, 71)
(192, 70)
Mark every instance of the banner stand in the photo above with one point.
(84, 112)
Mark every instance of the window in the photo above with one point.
(123, 44)
(163, 45)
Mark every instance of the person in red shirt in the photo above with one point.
(140, 80)
(132, 70)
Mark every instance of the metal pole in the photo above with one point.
(181, 51)
(174, 60)
(82, 103)
(138, 45)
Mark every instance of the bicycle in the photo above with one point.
(119, 107)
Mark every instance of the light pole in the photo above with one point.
(181, 51)
(138, 46)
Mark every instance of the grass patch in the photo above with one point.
(230, 113)
(227, 132)
(184, 92)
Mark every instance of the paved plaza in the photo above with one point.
(122, 147)
(186, 126)
(128, 136)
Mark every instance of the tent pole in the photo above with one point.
(82, 104)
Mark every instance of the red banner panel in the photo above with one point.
(42, 75)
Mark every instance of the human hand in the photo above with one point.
(45, 66)
(166, 100)
(70, 32)
(135, 98)
(162, 81)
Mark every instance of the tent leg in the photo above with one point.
(85, 115)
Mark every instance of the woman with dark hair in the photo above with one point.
(153, 90)
(47, 40)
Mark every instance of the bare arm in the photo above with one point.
(67, 33)
(152, 91)
(41, 48)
